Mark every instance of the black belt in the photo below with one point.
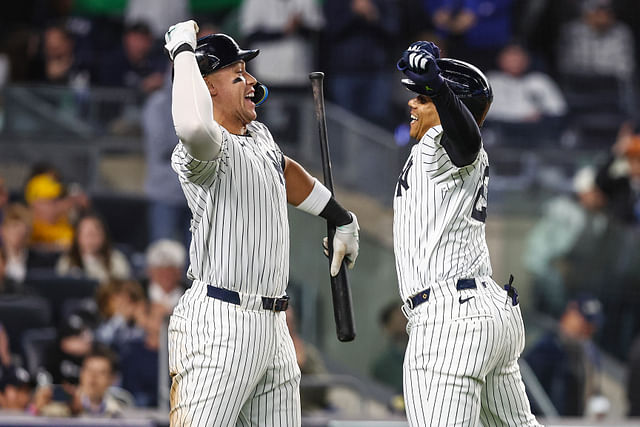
(423, 296)
(268, 303)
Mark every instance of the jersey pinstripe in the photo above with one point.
(239, 213)
(439, 211)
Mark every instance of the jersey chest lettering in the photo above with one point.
(264, 154)
(403, 179)
(276, 164)
(479, 209)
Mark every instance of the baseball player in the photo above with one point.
(465, 331)
(231, 357)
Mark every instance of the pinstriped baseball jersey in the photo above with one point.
(439, 214)
(239, 207)
(234, 364)
(461, 363)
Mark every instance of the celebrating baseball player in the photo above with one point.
(465, 331)
(230, 354)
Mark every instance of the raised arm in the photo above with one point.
(191, 106)
(461, 138)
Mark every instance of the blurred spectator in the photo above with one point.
(58, 63)
(527, 105)
(120, 304)
(169, 216)
(475, 30)
(92, 396)
(619, 177)
(139, 357)
(7, 285)
(15, 232)
(75, 340)
(98, 373)
(284, 32)
(159, 15)
(566, 223)
(596, 44)
(359, 34)
(387, 366)
(566, 361)
(5, 351)
(16, 388)
(92, 254)
(165, 270)
(540, 24)
(51, 229)
(310, 362)
(135, 64)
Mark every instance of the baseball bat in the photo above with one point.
(340, 290)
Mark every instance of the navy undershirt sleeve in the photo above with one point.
(461, 137)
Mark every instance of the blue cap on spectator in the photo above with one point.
(590, 308)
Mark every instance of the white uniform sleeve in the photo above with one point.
(192, 110)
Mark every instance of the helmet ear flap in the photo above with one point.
(261, 93)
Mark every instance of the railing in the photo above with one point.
(82, 124)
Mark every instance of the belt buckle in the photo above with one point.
(280, 304)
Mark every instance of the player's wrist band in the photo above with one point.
(336, 214)
(317, 200)
(185, 47)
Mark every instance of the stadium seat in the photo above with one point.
(60, 290)
(19, 313)
(35, 344)
(597, 108)
(126, 219)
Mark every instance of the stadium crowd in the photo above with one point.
(564, 74)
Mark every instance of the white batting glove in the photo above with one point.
(179, 34)
(345, 245)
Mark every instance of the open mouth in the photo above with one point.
(413, 119)
(249, 97)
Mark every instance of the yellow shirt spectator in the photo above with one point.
(51, 227)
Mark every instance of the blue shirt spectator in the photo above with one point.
(475, 29)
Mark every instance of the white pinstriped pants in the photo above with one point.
(231, 366)
(461, 362)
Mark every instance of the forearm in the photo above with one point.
(308, 194)
(461, 137)
(192, 110)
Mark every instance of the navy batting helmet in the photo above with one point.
(469, 84)
(216, 51)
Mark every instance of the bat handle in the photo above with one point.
(316, 75)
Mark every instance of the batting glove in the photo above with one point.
(345, 245)
(430, 47)
(420, 66)
(179, 35)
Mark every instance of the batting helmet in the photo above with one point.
(469, 84)
(216, 51)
